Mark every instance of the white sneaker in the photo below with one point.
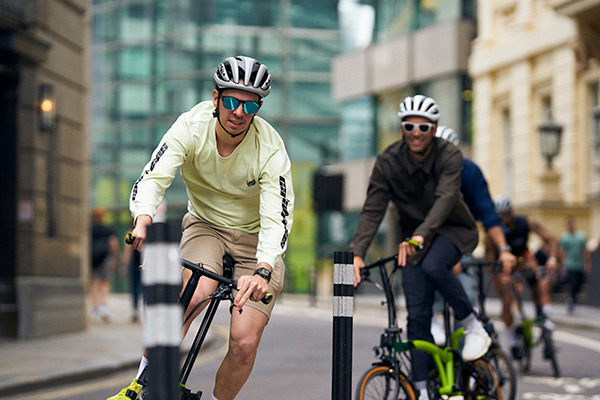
(423, 395)
(549, 325)
(477, 342)
(438, 333)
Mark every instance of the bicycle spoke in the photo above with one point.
(480, 381)
(504, 371)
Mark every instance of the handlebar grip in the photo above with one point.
(415, 243)
(267, 299)
(129, 238)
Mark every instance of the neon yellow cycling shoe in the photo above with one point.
(131, 392)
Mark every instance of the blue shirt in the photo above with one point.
(477, 196)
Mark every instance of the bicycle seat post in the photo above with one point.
(228, 266)
(446, 313)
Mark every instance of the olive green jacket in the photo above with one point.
(426, 196)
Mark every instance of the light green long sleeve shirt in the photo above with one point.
(250, 190)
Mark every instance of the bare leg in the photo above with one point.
(246, 332)
(503, 285)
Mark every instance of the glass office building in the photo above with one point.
(154, 59)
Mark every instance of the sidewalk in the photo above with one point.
(106, 347)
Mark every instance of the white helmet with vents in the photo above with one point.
(243, 73)
(502, 203)
(447, 133)
(419, 106)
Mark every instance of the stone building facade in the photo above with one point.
(532, 60)
(44, 206)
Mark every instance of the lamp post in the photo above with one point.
(550, 133)
(47, 123)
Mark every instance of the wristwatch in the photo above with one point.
(505, 247)
(263, 273)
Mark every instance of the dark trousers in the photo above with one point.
(576, 280)
(135, 276)
(419, 283)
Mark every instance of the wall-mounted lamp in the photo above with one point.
(47, 108)
(550, 133)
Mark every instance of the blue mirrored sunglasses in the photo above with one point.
(231, 103)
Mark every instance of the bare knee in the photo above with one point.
(243, 349)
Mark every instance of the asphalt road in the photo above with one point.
(294, 362)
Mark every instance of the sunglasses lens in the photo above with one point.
(408, 127)
(424, 127)
(251, 107)
(230, 103)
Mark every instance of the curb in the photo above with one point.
(50, 381)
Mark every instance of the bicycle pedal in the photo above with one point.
(187, 394)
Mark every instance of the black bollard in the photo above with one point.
(343, 304)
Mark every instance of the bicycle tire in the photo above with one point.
(434, 384)
(505, 372)
(480, 381)
(550, 352)
(522, 345)
(382, 382)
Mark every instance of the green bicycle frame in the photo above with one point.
(527, 325)
(443, 358)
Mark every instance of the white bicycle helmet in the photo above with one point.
(447, 133)
(419, 106)
(244, 73)
(502, 203)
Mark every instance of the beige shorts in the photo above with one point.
(207, 243)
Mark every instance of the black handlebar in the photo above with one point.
(381, 261)
(496, 265)
(199, 269)
(232, 284)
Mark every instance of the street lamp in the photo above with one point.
(550, 133)
(47, 123)
(596, 116)
(47, 108)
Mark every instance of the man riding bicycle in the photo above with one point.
(420, 175)
(238, 178)
(517, 234)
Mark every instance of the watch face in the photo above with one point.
(263, 272)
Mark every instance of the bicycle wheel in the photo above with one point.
(505, 372)
(384, 383)
(523, 350)
(550, 351)
(480, 381)
(433, 385)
